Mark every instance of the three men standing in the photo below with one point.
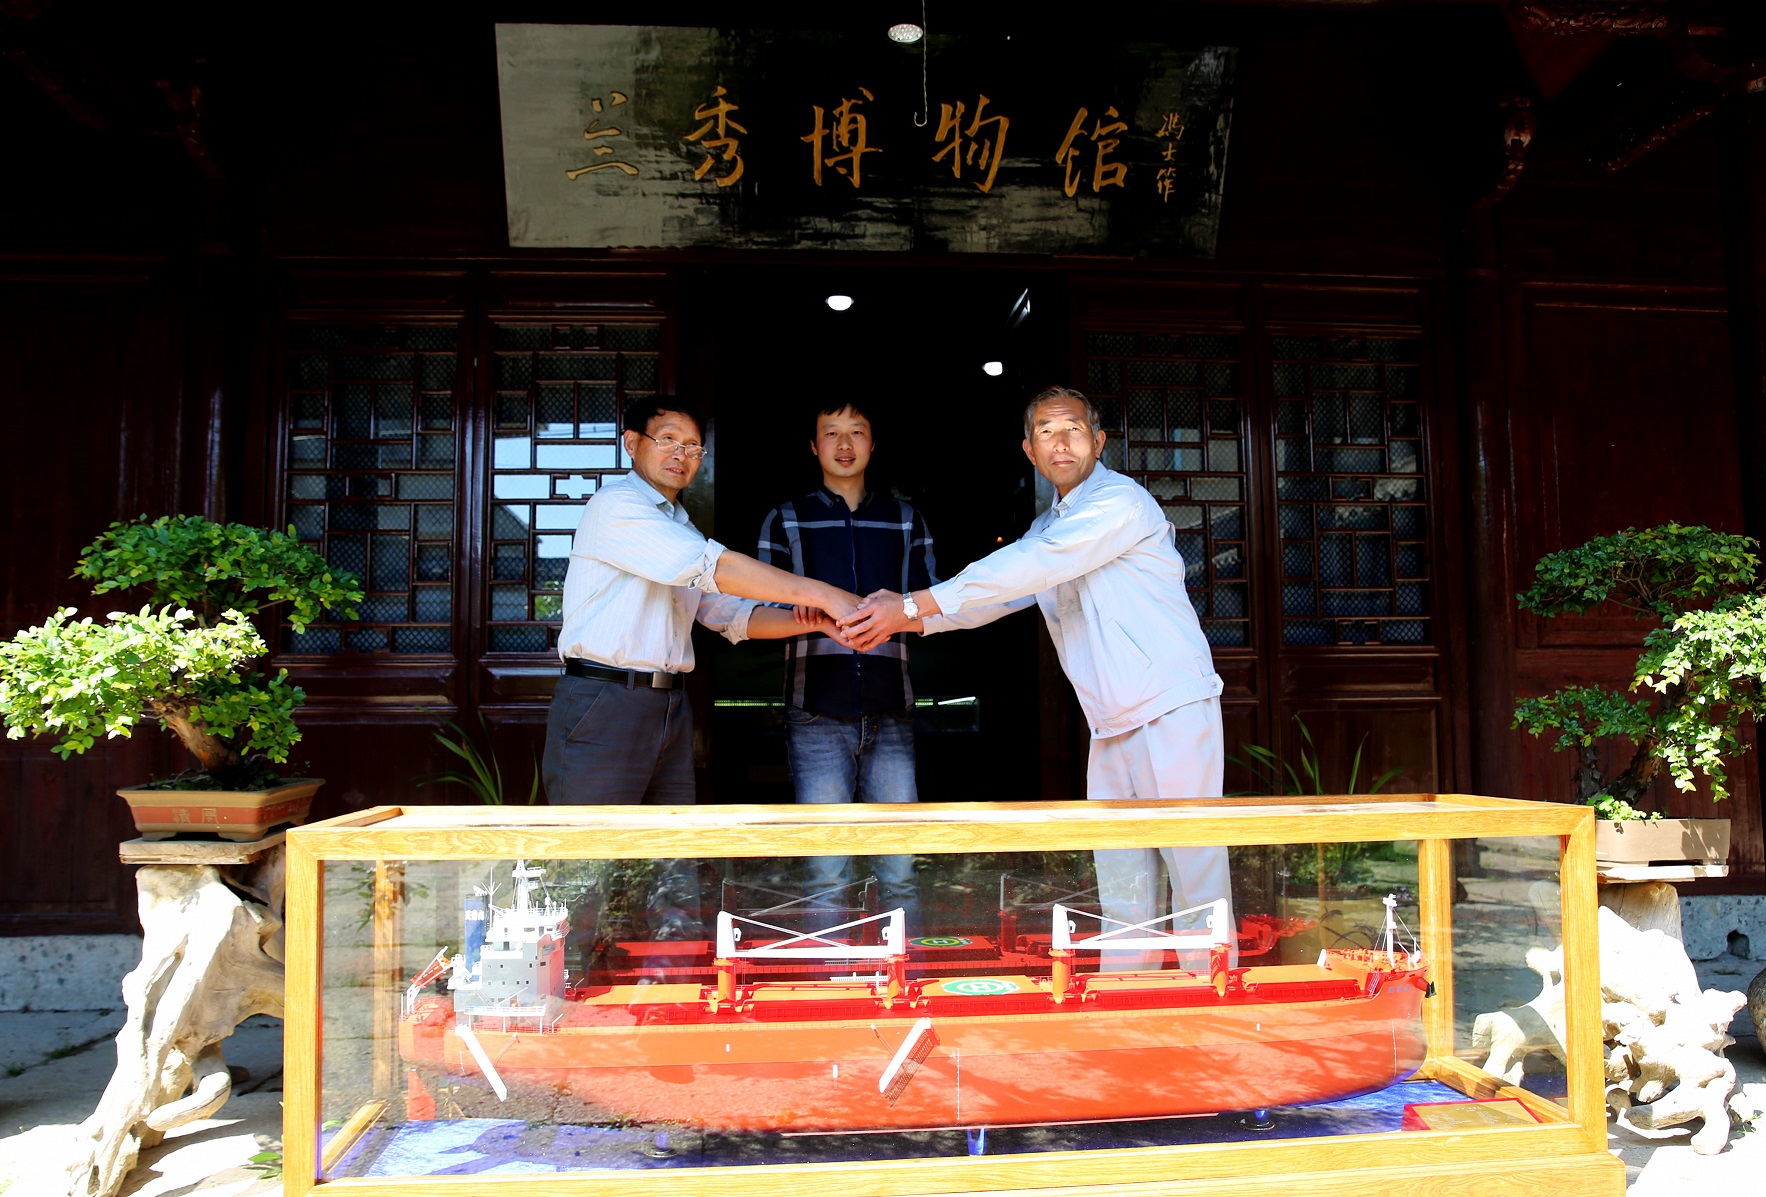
(1100, 563)
(849, 715)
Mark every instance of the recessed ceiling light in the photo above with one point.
(993, 369)
(839, 302)
(907, 33)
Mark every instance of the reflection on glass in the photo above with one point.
(556, 548)
(628, 1014)
(508, 602)
(575, 457)
(512, 453)
(557, 515)
(521, 486)
(435, 522)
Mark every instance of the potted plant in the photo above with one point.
(188, 659)
(1697, 678)
(1340, 878)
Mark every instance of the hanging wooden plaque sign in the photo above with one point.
(678, 137)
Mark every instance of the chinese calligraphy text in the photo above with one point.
(847, 136)
(595, 133)
(1104, 173)
(716, 116)
(1170, 132)
(980, 145)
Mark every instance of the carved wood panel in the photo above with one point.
(89, 362)
(370, 449)
(436, 432)
(1357, 741)
(560, 390)
(1625, 417)
(1295, 455)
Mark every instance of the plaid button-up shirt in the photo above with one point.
(882, 545)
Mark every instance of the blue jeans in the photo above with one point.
(867, 759)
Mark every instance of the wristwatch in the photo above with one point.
(910, 608)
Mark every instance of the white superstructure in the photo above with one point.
(519, 974)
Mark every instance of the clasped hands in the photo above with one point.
(863, 626)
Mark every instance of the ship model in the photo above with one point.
(788, 1030)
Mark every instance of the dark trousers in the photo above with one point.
(610, 745)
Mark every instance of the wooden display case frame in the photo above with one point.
(1564, 1155)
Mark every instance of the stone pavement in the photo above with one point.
(54, 1066)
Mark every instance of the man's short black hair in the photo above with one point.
(834, 405)
(641, 410)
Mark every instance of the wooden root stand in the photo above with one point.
(1560, 1150)
(211, 957)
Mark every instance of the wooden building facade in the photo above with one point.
(1474, 301)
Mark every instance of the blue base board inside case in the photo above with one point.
(492, 1146)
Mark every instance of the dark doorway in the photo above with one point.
(914, 346)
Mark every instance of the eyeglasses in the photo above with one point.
(670, 447)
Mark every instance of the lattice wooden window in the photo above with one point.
(1173, 408)
(559, 393)
(1351, 497)
(369, 477)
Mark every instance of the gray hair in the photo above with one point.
(1071, 396)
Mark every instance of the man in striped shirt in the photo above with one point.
(849, 731)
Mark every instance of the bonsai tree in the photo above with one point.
(188, 658)
(1700, 671)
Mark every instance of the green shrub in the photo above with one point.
(1700, 670)
(188, 659)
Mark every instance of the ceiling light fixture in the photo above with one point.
(839, 302)
(906, 33)
(993, 369)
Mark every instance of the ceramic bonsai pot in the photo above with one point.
(1668, 841)
(237, 815)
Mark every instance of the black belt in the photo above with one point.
(626, 677)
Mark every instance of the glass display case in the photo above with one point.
(1209, 996)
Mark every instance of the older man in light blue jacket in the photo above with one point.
(1102, 566)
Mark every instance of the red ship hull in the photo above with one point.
(810, 1056)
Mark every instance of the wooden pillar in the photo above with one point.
(1742, 163)
(1743, 158)
(1486, 467)
(212, 315)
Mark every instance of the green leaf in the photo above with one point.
(189, 657)
(1699, 675)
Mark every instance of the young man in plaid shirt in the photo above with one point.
(849, 715)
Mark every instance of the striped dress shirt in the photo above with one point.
(639, 575)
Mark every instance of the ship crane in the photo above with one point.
(1117, 935)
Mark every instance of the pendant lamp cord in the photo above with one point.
(921, 117)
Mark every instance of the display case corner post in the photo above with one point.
(1581, 935)
(302, 1017)
(1435, 881)
(389, 934)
